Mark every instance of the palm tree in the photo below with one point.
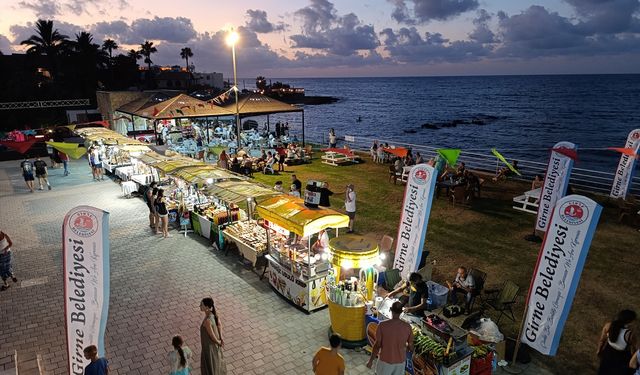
(146, 50)
(135, 55)
(87, 51)
(47, 41)
(109, 45)
(185, 53)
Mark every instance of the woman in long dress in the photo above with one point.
(211, 359)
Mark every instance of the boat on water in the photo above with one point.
(288, 94)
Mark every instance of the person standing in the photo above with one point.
(64, 158)
(96, 156)
(617, 343)
(6, 261)
(333, 140)
(149, 199)
(350, 205)
(98, 366)
(327, 361)
(211, 359)
(393, 339)
(41, 172)
(27, 173)
(223, 160)
(325, 193)
(163, 214)
(180, 357)
(635, 362)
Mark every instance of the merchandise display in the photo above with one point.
(250, 233)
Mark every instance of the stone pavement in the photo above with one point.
(156, 288)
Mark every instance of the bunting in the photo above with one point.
(155, 111)
(449, 154)
(179, 111)
(502, 159)
(625, 151)
(21, 147)
(72, 149)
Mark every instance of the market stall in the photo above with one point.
(297, 271)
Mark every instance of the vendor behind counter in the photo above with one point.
(415, 294)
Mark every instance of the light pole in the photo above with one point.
(232, 39)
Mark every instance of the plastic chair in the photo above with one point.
(503, 300)
(391, 279)
(479, 279)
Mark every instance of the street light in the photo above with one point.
(232, 39)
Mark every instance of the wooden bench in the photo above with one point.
(528, 202)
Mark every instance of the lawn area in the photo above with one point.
(489, 236)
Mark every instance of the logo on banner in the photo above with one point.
(421, 176)
(83, 223)
(574, 212)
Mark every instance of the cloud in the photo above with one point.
(422, 11)
(482, 32)
(5, 45)
(24, 32)
(178, 29)
(607, 16)
(42, 8)
(323, 29)
(407, 45)
(259, 23)
(119, 31)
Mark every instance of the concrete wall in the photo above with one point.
(109, 101)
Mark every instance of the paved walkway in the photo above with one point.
(156, 288)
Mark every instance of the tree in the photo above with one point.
(109, 45)
(47, 41)
(185, 53)
(86, 58)
(146, 49)
(135, 55)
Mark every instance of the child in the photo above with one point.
(180, 357)
(278, 187)
(328, 361)
(98, 366)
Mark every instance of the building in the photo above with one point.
(214, 80)
(172, 79)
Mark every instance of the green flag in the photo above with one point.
(449, 154)
(502, 159)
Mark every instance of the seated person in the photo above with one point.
(417, 291)
(465, 284)
(242, 153)
(473, 183)
(291, 154)
(278, 187)
(247, 166)
(268, 167)
(399, 165)
(235, 165)
(461, 170)
(506, 171)
(322, 242)
(537, 182)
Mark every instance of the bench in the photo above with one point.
(528, 202)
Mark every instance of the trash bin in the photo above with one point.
(438, 294)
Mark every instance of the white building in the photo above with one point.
(210, 79)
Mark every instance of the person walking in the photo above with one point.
(6, 261)
(211, 359)
(328, 361)
(64, 158)
(617, 344)
(180, 357)
(350, 205)
(149, 199)
(393, 339)
(98, 366)
(163, 214)
(27, 172)
(41, 172)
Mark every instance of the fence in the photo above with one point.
(581, 179)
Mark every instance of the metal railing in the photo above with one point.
(587, 180)
(45, 104)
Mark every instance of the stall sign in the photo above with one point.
(85, 254)
(416, 208)
(557, 273)
(556, 182)
(276, 228)
(307, 296)
(626, 167)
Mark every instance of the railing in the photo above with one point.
(45, 104)
(581, 179)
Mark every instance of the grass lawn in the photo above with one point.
(489, 236)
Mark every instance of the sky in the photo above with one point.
(342, 38)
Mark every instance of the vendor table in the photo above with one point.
(306, 293)
(128, 187)
(124, 172)
(142, 179)
(247, 251)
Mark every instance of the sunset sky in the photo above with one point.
(319, 38)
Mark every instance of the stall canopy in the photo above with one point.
(182, 106)
(206, 173)
(291, 213)
(148, 100)
(255, 104)
(239, 192)
(169, 166)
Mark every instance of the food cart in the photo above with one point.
(295, 270)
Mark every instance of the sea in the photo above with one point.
(522, 116)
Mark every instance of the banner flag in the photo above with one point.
(626, 166)
(416, 208)
(557, 273)
(502, 159)
(21, 147)
(449, 154)
(72, 149)
(85, 254)
(556, 181)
